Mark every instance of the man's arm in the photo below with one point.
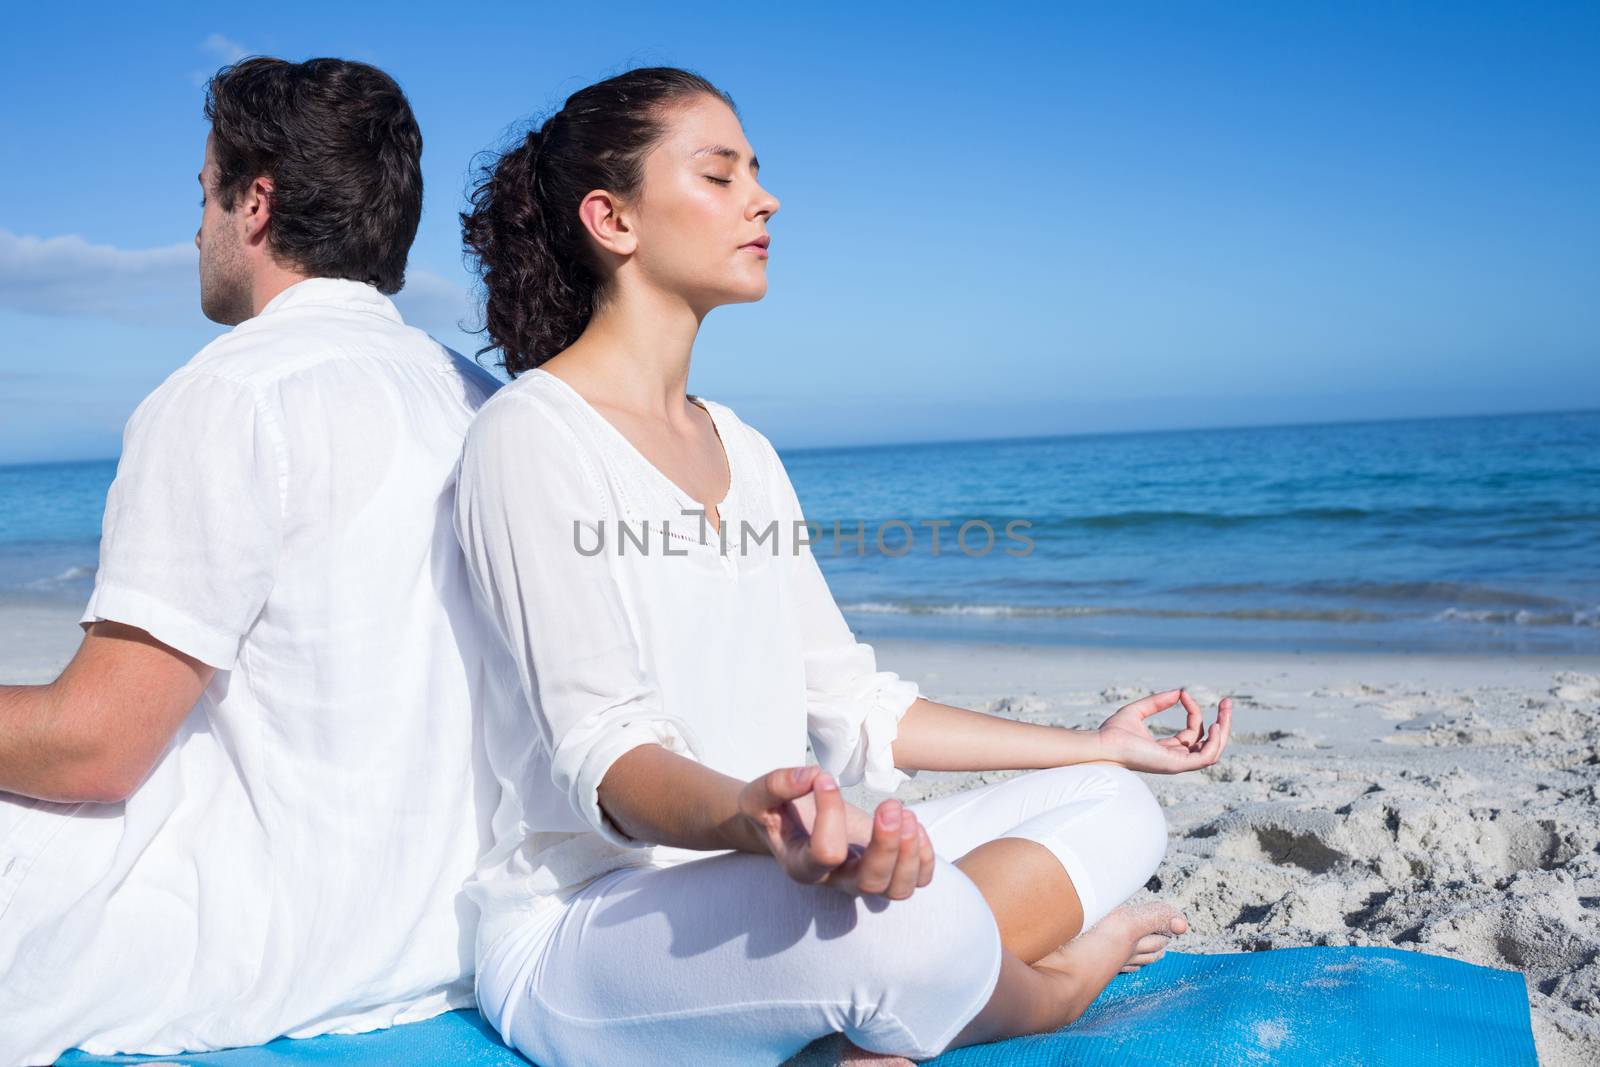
(95, 732)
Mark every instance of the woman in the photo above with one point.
(671, 884)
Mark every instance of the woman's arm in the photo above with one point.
(794, 814)
(938, 737)
(870, 725)
(528, 501)
(658, 796)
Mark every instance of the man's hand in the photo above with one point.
(1127, 741)
(819, 838)
(95, 732)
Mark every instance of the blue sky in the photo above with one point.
(996, 221)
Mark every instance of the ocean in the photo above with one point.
(1452, 535)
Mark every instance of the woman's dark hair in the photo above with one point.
(343, 151)
(538, 265)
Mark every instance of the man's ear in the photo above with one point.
(255, 209)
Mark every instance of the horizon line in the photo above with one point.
(6, 465)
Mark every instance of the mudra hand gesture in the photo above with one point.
(1128, 741)
(818, 837)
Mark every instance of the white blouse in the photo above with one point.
(628, 621)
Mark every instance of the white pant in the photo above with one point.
(726, 960)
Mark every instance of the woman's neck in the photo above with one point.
(635, 354)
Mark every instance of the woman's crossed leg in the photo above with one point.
(728, 960)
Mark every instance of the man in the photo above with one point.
(247, 806)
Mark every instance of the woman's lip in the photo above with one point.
(756, 248)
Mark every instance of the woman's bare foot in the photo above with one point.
(1043, 997)
(1133, 935)
(1152, 946)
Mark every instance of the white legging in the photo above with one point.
(726, 960)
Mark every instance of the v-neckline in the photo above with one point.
(684, 497)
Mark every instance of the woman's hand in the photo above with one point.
(819, 838)
(1128, 741)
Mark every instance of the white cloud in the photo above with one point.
(435, 304)
(70, 277)
(225, 49)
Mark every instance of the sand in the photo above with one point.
(1448, 805)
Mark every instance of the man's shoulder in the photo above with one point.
(480, 384)
(255, 354)
(267, 349)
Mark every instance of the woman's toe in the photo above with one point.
(1151, 943)
(1143, 958)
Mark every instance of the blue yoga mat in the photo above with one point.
(1360, 1007)
(1298, 1007)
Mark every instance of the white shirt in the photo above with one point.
(294, 863)
(728, 657)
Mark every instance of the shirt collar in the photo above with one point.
(333, 292)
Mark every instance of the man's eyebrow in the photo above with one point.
(731, 154)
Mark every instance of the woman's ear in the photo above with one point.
(602, 215)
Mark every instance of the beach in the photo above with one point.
(1441, 804)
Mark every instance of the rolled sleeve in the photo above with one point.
(193, 521)
(595, 758)
(527, 500)
(853, 709)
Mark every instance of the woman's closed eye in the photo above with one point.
(719, 181)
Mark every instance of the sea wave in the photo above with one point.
(1585, 617)
(1588, 617)
(71, 574)
(1060, 611)
(1421, 591)
(1550, 522)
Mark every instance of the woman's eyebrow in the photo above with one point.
(723, 150)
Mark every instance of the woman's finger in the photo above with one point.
(1221, 728)
(1216, 738)
(1196, 721)
(1145, 707)
(829, 845)
(908, 865)
(787, 783)
(883, 851)
(927, 856)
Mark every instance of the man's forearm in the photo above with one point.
(37, 755)
(938, 737)
(658, 796)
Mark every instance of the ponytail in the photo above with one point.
(536, 261)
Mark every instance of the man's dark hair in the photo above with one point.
(343, 151)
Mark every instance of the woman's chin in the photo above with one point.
(748, 293)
